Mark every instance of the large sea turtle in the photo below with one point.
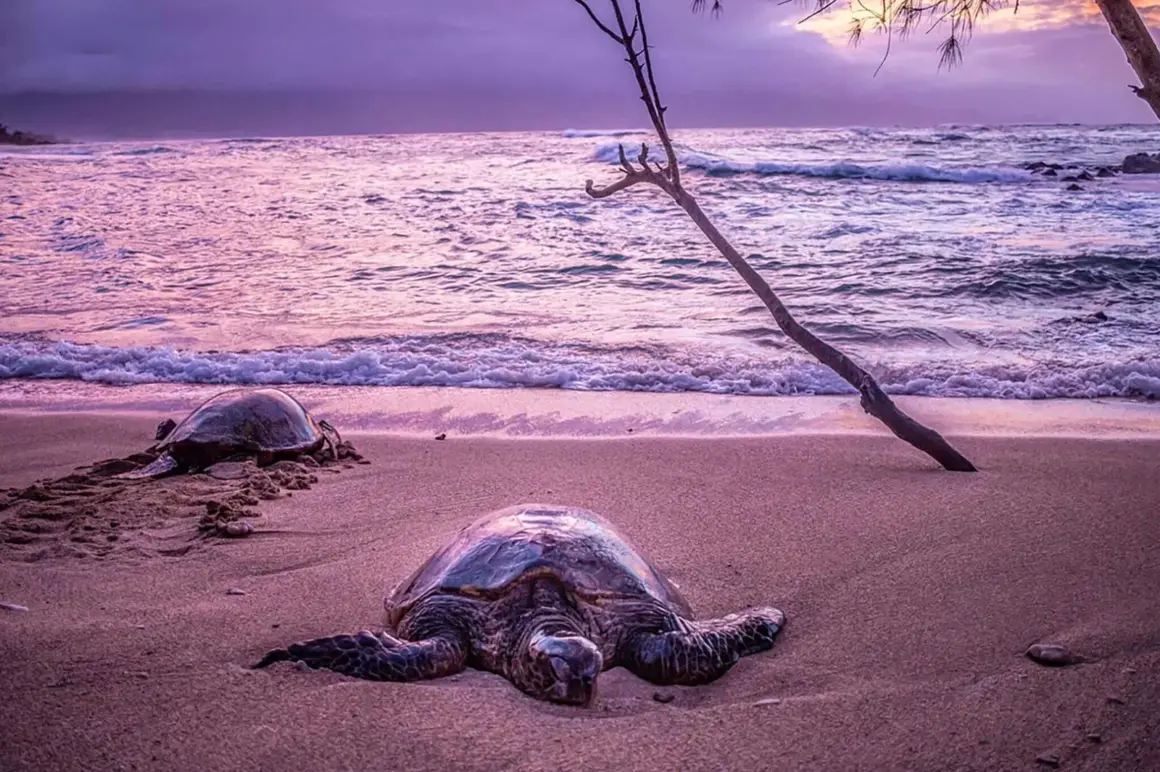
(265, 423)
(548, 597)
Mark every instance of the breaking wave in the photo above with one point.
(495, 361)
(588, 133)
(900, 172)
(157, 150)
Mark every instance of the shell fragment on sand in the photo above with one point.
(13, 607)
(236, 529)
(1052, 655)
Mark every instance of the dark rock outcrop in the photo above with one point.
(1142, 163)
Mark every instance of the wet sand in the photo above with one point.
(911, 595)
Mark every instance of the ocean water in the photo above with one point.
(477, 260)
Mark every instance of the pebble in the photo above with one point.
(235, 591)
(13, 607)
(1095, 738)
(1048, 759)
(441, 436)
(663, 698)
(768, 701)
(237, 529)
(1117, 700)
(1052, 654)
(139, 627)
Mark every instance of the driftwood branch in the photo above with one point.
(873, 399)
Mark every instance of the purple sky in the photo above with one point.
(506, 64)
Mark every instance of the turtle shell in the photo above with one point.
(267, 420)
(581, 549)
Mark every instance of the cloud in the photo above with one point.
(449, 60)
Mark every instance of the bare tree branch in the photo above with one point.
(873, 399)
(626, 182)
(600, 24)
(674, 168)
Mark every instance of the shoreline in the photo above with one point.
(547, 413)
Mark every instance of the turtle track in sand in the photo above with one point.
(92, 514)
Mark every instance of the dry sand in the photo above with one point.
(911, 595)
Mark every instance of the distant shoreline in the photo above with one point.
(10, 137)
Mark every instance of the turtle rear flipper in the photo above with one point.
(162, 465)
(705, 650)
(378, 658)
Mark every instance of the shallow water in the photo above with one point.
(477, 260)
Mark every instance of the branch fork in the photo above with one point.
(658, 175)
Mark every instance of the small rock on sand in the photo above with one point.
(235, 591)
(768, 701)
(1052, 654)
(236, 529)
(1048, 760)
(662, 697)
(13, 607)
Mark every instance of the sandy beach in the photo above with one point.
(911, 593)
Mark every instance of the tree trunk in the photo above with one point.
(874, 399)
(1138, 45)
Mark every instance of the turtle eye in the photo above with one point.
(561, 669)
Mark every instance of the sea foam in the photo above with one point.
(500, 362)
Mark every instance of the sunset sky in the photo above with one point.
(339, 65)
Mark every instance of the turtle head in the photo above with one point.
(561, 668)
(164, 428)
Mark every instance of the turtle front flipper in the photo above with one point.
(378, 657)
(702, 651)
(328, 440)
(162, 465)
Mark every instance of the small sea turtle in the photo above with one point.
(266, 423)
(548, 597)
